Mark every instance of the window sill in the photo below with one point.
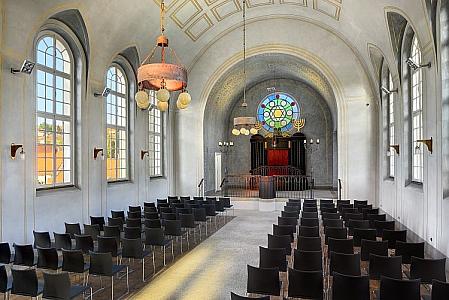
(415, 185)
(389, 179)
(157, 177)
(117, 182)
(40, 192)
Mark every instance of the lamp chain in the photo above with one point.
(162, 17)
(244, 52)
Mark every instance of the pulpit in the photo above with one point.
(266, 187)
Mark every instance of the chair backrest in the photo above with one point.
(309, 222)
(272, 258)
(440, 290)
(187, 220)
(353, 224)
(353, 216)
(166, 210)
(335, 232)
(132, 248)
(280, 241)
(287, 221)
(97, 221)
(115, 222)
(112, 231)
(309, 231)
(382, 225)
(47, 258)
(263, 281)
(134, 214)
(108, 245)
(394, 235)
(200, 214)
(42, 239)
(337, 223)
(308, 260)
(23, 255)
(185, 198)
(62, 241)
(369, 211)
(3, 279)
(169, 216)
(393, 289)
(173, 227)
(385, 266)
(360, 234)
(346, 264)
(72, 261)
(310, 209)
(284, 230)
(210, 209)
(309, 243)
(407, 250)
(309, 215)
(100, 264)
(360, 202)
(56, 285)
(341, 245)
(151, 215)
(329, 209)
(295, 209)
(305, 284)
(84, 243)
(118, 214)
(148, 204)
(331, 216)
(346, 287)
(238, 297)
(24, 282)
(428, 269)
(373, 247)
(161, 201)
(134, 209)
(130, 222)
(92, 230)
(5, 253)
(154, 236)
(132, 232)
(289, 214)
(149, 209)
(72, 229)
(152, 223)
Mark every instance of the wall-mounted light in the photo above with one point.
(428, 143)
(309, 145)
(14, 149)
(26, 68)
(414, 66)
(387, 91)
(106, 91)
(225, 146)
(98, 151)
(395, 148)
(143, 153)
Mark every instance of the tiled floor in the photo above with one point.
(218, 265)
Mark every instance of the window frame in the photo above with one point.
(152, 153)
(54, 116)
(391, 127)
(127, 128)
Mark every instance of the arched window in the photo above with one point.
(391, 126)
(117, 125)
(416, 112)
(155, 139)
(54, 112)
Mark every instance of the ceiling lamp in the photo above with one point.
(244, 125)
(162, 71)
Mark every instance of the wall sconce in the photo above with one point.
(415, 66)
(97, 152)
(428, 143)
(387, 91)
(14, 149)
(26, 68)
(106, 91)
(143, 153)
(395, 148)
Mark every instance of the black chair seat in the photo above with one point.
(77, 290)
(118, 268)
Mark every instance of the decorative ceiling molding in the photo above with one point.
(196, 17)
(376, 58)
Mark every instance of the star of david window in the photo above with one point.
(278, 111)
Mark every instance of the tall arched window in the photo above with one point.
(391, 123)
(155, 139)
(416, 113)
(117, 125)
(54, 112)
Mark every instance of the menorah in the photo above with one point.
(299, 124)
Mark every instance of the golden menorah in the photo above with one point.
(299, 124)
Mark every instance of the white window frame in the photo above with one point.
(66, 89)
(112, 117)
(155, 140)
(391, 125)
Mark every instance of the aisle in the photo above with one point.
(218, 265)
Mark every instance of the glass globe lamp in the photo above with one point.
(163, 95)
(142, 99)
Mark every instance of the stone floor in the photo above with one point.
(217, 266)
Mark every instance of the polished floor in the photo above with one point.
(217, 266)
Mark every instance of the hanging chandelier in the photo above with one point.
(245, 125)
(162, 71)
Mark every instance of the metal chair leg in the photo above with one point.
(112, 286)
(154, 266)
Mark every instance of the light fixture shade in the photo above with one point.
(184, 98)
(253, 131)
(242, 130)
(180, 105)
(163, 95)
(235, 131)
(142, 99)
(246, 132)
(162, 106)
